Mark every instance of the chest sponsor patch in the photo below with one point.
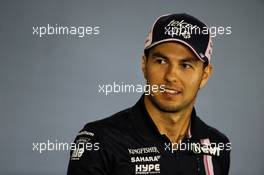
(145, 160)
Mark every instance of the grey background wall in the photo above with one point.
(49, 85)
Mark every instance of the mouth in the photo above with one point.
(172, 91)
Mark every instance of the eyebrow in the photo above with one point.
(187, 59)
(158, 54)
(190, 59)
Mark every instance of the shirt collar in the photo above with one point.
(145, 127)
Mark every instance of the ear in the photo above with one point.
(207, 72)
(144, 66)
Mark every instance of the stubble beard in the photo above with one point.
(169, 108)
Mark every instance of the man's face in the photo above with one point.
(177, 68)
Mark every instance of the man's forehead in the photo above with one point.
(169, 50)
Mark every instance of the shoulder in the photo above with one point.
(212, 133)
(114, 121)
(110, 127)
(216, 135)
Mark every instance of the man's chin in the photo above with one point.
(169, 108)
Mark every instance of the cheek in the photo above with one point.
(193, 82)
(154, 75)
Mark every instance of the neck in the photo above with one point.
(173, 124)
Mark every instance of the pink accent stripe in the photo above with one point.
(209, 49)
(208, 164)
(189, 134)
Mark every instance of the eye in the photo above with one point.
(161, 60)
(186, 66)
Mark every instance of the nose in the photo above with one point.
(172, 74)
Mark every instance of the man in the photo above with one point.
(161, 134)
